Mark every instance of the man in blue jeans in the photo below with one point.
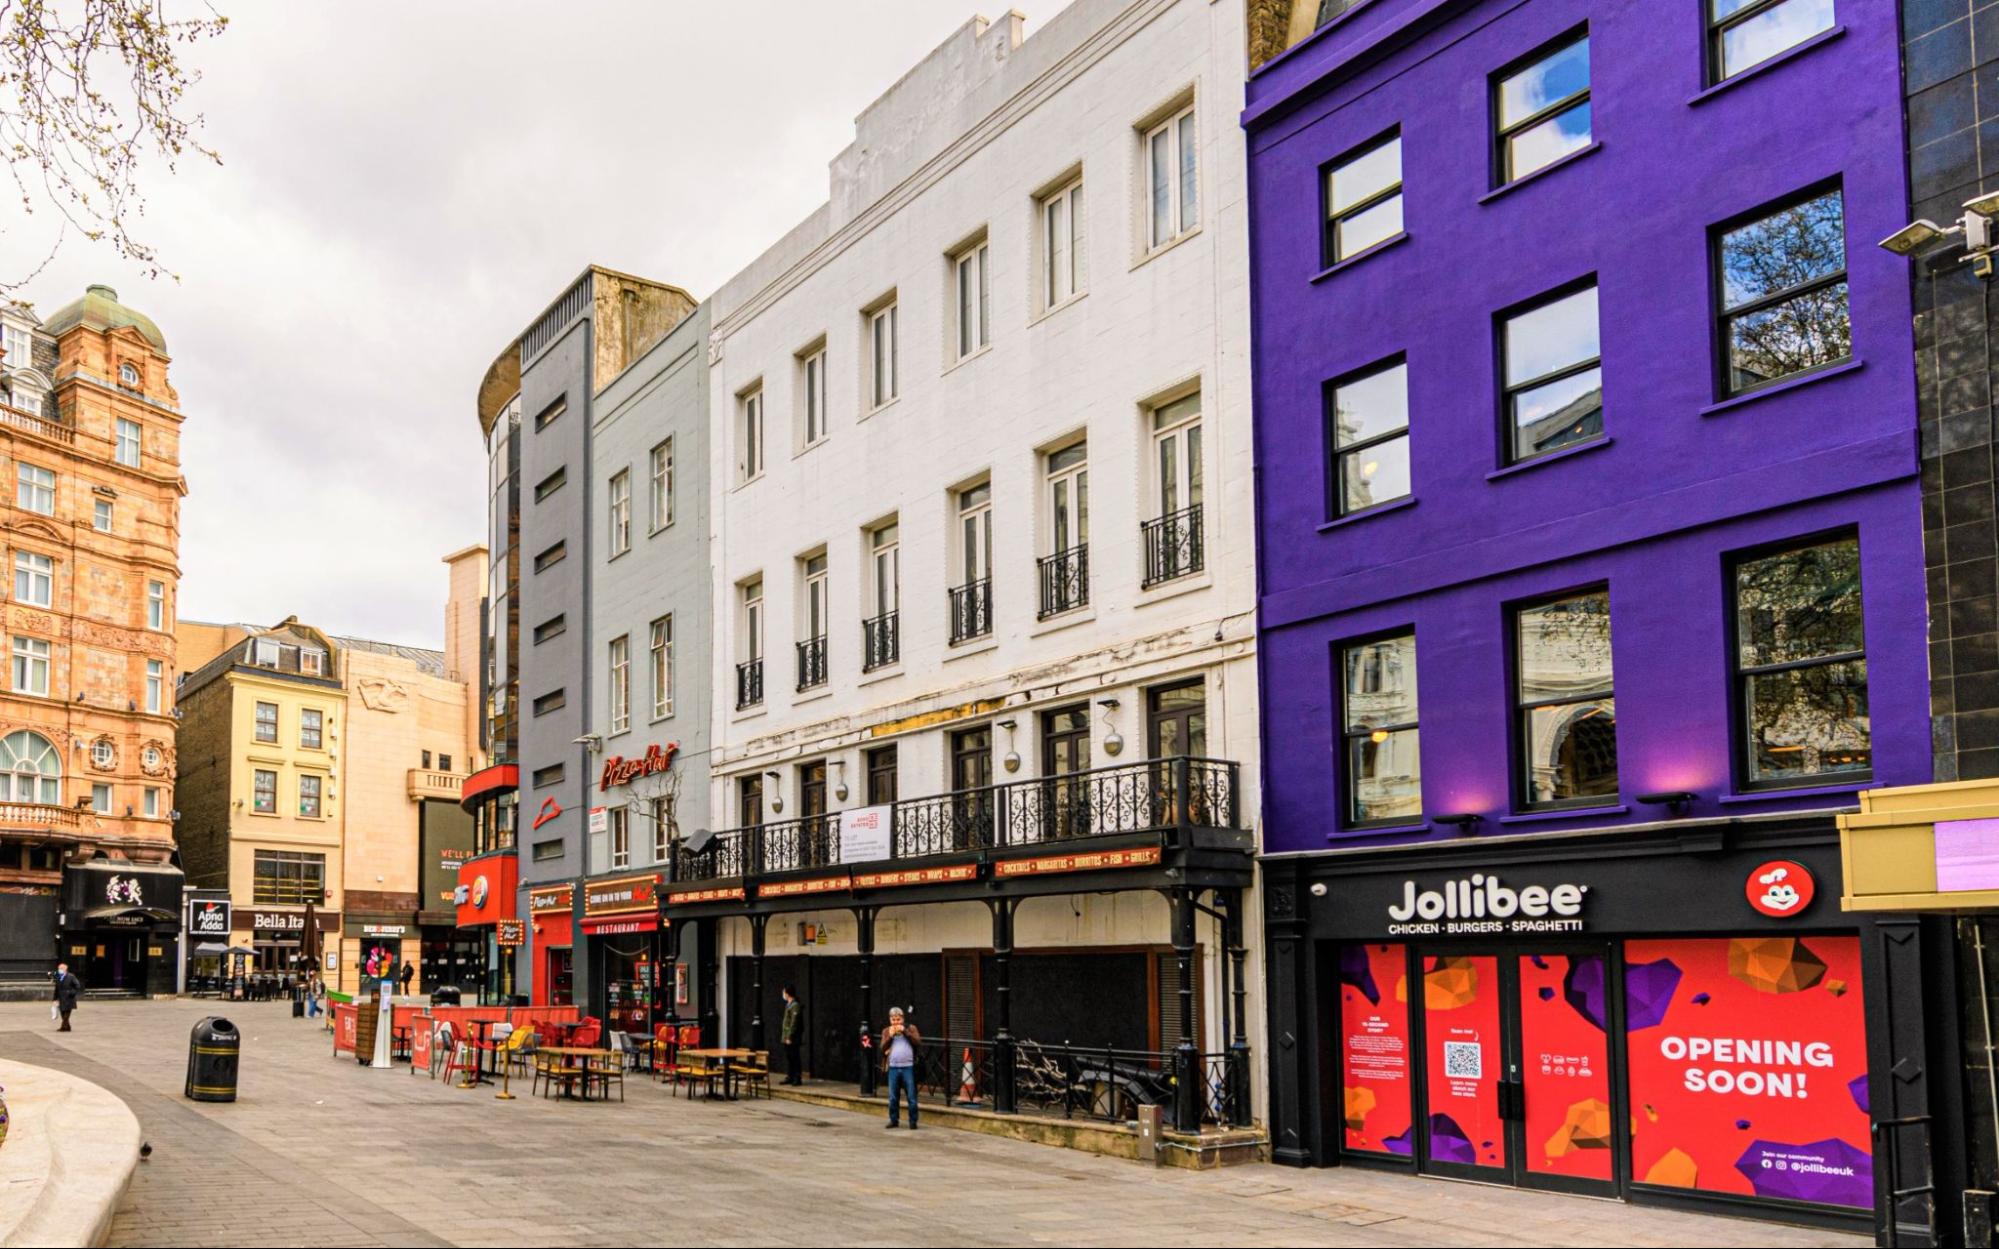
(899, 1042)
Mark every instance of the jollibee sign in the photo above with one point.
(1780, 889)
(1481, 903)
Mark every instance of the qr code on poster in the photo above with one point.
(1464, 1060)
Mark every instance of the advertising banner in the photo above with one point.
(1748, 1067)
(864, 834)
(1374, 1038)
(1565, 1064)
(1464, 1059)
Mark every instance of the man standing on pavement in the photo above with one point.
(68, 988)
(409, 973)
(794, 1018)
(899, 1043)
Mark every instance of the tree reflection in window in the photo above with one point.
(1563, 693)
(1802, 664)
(1783, 293)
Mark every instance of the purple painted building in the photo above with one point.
(1593, 588)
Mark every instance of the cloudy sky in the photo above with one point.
(403, 187)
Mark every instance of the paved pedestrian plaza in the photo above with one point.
(322, 1152)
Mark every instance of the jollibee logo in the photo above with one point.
(1780, 888)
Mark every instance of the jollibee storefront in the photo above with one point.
(1702, 1028)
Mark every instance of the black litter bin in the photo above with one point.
(445, 995)
(211, 1060)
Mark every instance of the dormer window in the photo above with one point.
(264, 653)
(312, 661)
(128, 376)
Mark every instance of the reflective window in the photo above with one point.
(1567, 717)
(1370, 435)
(1783, 293)
(1172, 176)
(1543, 110)
(1554, 375)
(1364, 199)
(1384, 766)
(1743, 33)
(1801, 664)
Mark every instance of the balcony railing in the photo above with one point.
(1161, 795)
(1173, 546)
(749, 683)
(881, 641)
(27, 423)
(39, 815)
(971, 610)
(428, 783)
(812, 662)
(1065, 580)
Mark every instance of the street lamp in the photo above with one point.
(1975, 228)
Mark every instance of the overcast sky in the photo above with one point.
(404, 187)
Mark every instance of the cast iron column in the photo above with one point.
(757, 925)
(708, 949)
(864, 940)
(1186, 1058)
(669, 962)
(1239, 1115)
(1003, 1074)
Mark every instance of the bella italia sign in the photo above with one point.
(619, 770)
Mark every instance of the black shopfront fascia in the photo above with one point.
(1662, 881)
(114, 916)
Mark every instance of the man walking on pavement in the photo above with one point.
(68, 988)
(794, 1018)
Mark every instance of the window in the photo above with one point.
(1369, 414)
(289, 876)
(444, 763)
(1364, 198)
(150, 803)
(881, 641)
(426, 759)
(1173, 539)
(750, 450)
(128, 443)
(551, 701)
(545, 851)
(1172, 172)
(750, 668)
(100, 798)
(1742, 33)
(1782, 280)
(1553, 375)
(971, 303)
(662, 830)
(882, 353)
(311, 660)
(267, 722)
(554, 626)
(264, 792)
(971, 598)
(34, 579)
(548, 415)
(308, 797)
(1061, 230)
(1065, 571)
(621, 511)
(35, 489)
(149, 758)
(19, 353)
(1383, 756)
(103, 754)
(621, 683)
(812, 609)
(156, 604)
(662, 485)
(1567, 718)
(880, 766)
(156, 686)
(662, 667)
(621, 837)
(31, 666)
(311, 723)
(30, 769)
(1801, 665)
(750, 800)
(550, 775)
(128, 376)
(550, 557)
(812, 396)
(1543, 109)
(551, 483)
(101, 516)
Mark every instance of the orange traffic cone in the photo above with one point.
(967, 1095)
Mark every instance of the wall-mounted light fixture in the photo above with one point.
(1113, 744)
(840, 780)
(1463, 822)
(1676, 801)
(1011, 761)
(776, 793)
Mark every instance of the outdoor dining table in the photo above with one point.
(584, 1052)
(728, 1058)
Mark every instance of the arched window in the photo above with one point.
(30, 769)
(128, 375)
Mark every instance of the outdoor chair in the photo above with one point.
(755, 1074)
(606, 1071)
(695, 1071)
(518, 1050)
(665, 1044)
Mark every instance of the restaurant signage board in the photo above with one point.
(619, 770)
(551, 898)
(624, 895)
(209, 918)
(510, 932)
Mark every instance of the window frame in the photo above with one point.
(156, 687)
(103, 515)
(876, 317)
(43, 577)
(263, 798)
(258, 721)
(618, 508)
(619, 690)
(618, 838)
(128, 434)
(660, 462)
(972, 261)
(1349, 735)
(27, 661)
(1067, 196)
(1518, 705)
(156, 605)
(1336, 454)
(1502, 323)
(1179, 226)
(752, 434)
(813, 428)
(1717, 29)
(313, 807)
(546, 488)
(1724, 316)
(1330, 221)
(29, 488)
(312, 729)
(1501, 156)
(659, 645)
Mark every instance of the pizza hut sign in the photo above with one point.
(619, 770)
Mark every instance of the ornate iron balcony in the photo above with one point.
(1170, 796)
(971, 610)
(749, 683)
(881, 641)
(1065, 580)
(1173, 546)
(812, 662)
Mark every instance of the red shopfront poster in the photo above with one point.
(1748, 1067)
(1463, 1059)
(1374, 1038)
(1564, 1065)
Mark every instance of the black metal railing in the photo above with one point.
(1173, 546)
(1065, 580)
(812, 662)
(1161, 795)
(1097, 1082)
(749, 683)
(971, 610)
(881, 641)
